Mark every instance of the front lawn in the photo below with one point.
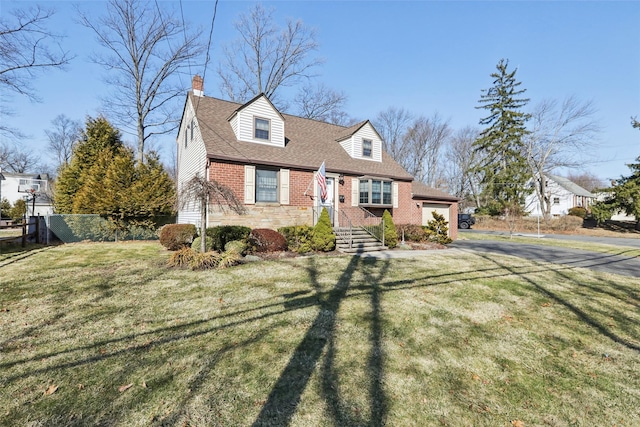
(105, 334)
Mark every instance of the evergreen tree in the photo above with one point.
(390, 233)
(504, 170)
(323, 238)
(99, 135)
(624, 196)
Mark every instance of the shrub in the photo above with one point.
(298, 237)
(390, 235)
(176, 236)
(223, 234)
(237, 246)
(322, 238)
(437, 229)
(566, 223)
(412, 232)
(266, 240)
(183, 257)
(578, 211)
(205, 260)
(198, 241)
(228, 259)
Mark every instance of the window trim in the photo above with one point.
(369, 198)
(368, 142)
(255, 128)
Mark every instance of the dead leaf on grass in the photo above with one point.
(144, 384)
(517, 423)
(50, 390)
(124, 387)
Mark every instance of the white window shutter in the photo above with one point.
(395, 195)
(284, 186)
(249, 184)
(355, 191)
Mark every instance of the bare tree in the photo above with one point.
(562, 136)
(201, 192)
(27, 48)
(14, 160)
(63, 137)
(587, 180)
(424, 141)
(321, 103)
(461, 158)
(147, 48)
(392, 124)
(266, 58)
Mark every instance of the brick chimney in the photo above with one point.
(197, 85)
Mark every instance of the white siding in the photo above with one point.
(367, 132)
(234, 125)
(260, 108)
(566, 200)
(347, 144)
(191, 159)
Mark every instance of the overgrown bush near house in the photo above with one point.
(266, 240)
(412, 233)
(176, 236)
(578, 211)
(237, 246)
(223, 234)
(298, 237)
(198, 240)
(390, 234)
(323, 239)
(437, 229)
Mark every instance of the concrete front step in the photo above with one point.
(358, 249)
(361, 240)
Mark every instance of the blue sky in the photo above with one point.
(425, 56)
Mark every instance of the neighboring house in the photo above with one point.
(270, 161)
(17, 186)
(563, 195)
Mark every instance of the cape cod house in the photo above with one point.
(270, 161)
(563, 195)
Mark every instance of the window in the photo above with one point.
(556, 200)
(366, 148)
(261, 129)
(364, 192)
(375, 192)
(266, 185)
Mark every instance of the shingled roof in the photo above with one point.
(307, 143)
(423, 191)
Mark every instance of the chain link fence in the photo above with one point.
(94, 228)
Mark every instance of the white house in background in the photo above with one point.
(563, 194)
(18, 186)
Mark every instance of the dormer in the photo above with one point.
(258, 121)
(363, 142)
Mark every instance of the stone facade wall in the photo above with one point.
(263, 216)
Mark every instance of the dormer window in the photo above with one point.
(261, 129)
(366, 148)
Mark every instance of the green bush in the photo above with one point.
(236, 246)
(266, 240)
(578, 211)
(198, 241)
(223, 234)
(298, 237)
(323, 239)
(390, 234)
(176, 236)
(438, 229)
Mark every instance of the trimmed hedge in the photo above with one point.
(266, 240)
(298, 237)
(412, 233)
(578, 211)
(224, 234)
(176, 236)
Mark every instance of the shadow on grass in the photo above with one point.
(18, 254)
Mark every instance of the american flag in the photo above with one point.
(321, 176)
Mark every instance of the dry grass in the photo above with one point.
(326, 341)
(563, 225)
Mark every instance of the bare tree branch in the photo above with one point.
(146, 50)
(321, 103)
(63, 137)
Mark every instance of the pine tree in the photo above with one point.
(504, 170)
(390, 233)
(99, 135)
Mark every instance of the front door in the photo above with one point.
(328, 203)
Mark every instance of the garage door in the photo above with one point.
(428, 208)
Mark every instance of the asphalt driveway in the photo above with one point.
(617, 264)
